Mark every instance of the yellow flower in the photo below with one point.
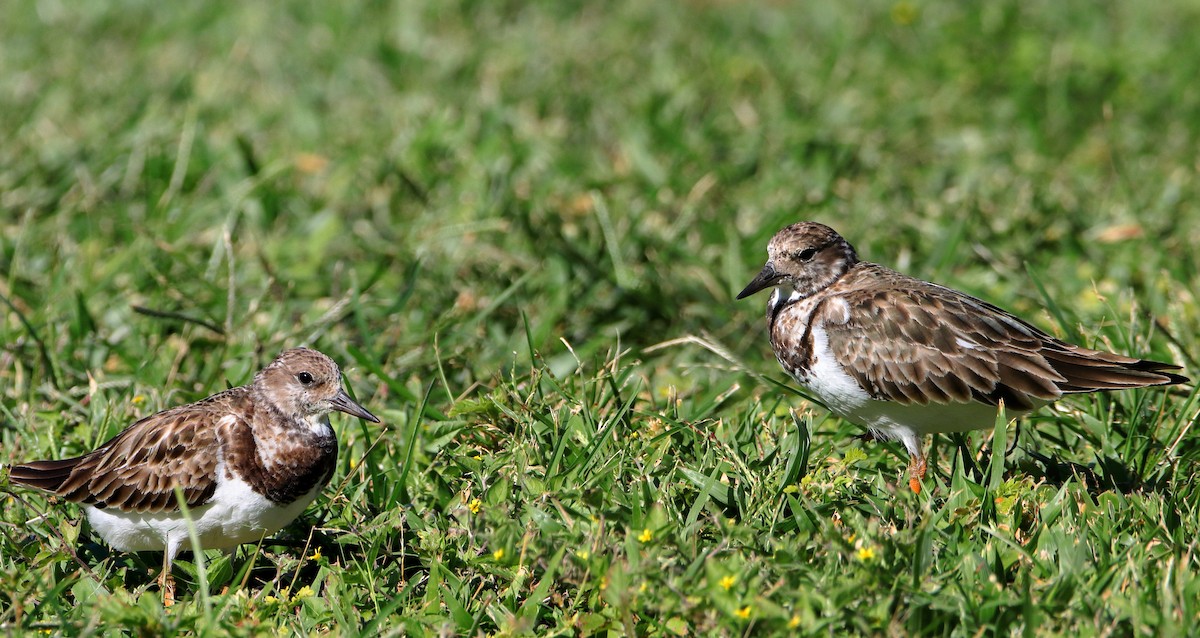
(582, 554)
(316, 555)
(743, 613)
(303, 592)
(139, 399)
(643, 587)
(794, 622)
(604, 582)
(475, 505)
(646, 536)
(866, 553)
(904, 13)
(498, 554)
(728, 582)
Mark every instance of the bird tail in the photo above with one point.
(43, 475)
(1089, 370)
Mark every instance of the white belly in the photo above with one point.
(235, 515)
(840, 392)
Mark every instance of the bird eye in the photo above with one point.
(304, 378)
(807, 254)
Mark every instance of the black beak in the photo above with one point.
(343, 403)
(766, 278)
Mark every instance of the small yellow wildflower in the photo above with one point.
(905, 13)
(316, 555)
(728, 582)
(475, 505)
(270, 600)
(744, 612)
(646, 536)
(139, 399)
(582, 554)
(794, 623)
(353, 463)
(498, 554)
(643, 587)
(303, 592)
(866, 553)
(604, 582)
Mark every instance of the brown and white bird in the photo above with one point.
(905, 357)
(247, 461)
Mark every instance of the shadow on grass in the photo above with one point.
(141, 569)
(1106, 474)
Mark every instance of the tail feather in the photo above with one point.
(43, 475)
(1088, 371)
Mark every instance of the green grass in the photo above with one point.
(519, 227)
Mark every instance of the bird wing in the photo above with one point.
(925, 344)
(914, 342)
(139, 469)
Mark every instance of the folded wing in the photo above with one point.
(925, 344)
(138, 470)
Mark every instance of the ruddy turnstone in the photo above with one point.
(905, 357)
(247, 461)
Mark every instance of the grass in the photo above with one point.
(520, 226)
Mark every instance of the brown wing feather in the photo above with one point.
(138, 469)
(912, 343)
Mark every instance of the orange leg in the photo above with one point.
(166, 582)
(916, 472)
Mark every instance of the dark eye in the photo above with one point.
(304, 378)
(807, 254)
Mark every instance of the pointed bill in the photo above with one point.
(766, 278)
(343, 403)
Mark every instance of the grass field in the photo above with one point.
(519, 227)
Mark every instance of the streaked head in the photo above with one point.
(304, 383)
(806, 256)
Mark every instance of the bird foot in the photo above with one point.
(916, 472)
(166, 584)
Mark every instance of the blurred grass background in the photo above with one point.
(520, 226)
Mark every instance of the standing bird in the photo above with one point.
(247, 461)
(905, 357)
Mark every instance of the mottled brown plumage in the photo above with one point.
(909, 341)
(247, 461)
(906, 357)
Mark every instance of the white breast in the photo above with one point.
(842, 394)
(235, 515)
(828, 380)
